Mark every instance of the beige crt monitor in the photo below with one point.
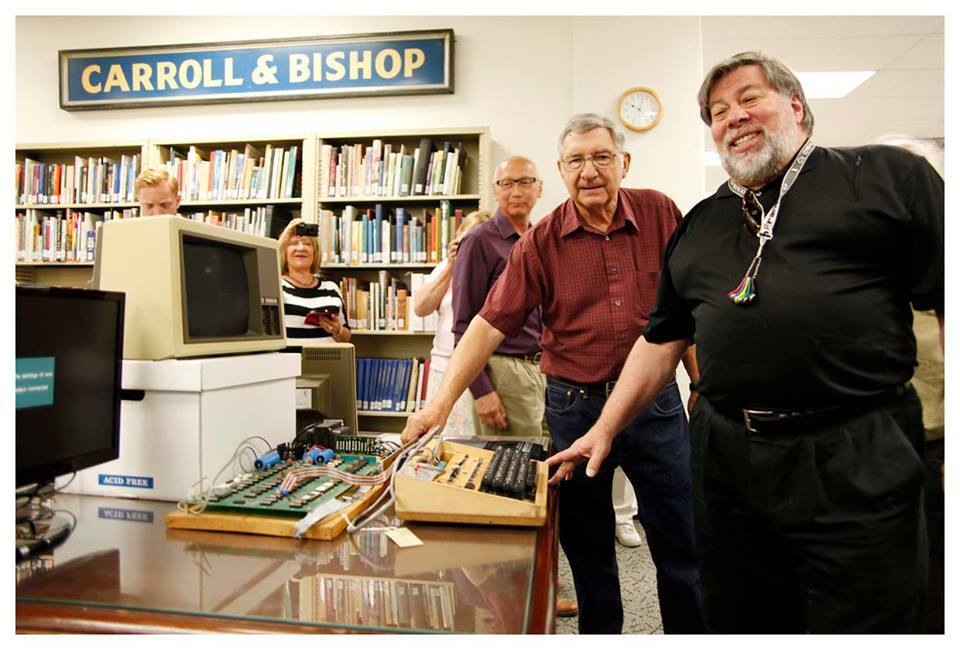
(334, 364)
(192, 289)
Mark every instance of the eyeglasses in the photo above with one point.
(600, 161)
(752, 210)
(508, 183)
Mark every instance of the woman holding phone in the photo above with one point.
(312, 307)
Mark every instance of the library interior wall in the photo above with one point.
(522, 77)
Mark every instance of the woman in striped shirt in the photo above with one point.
(306, 297)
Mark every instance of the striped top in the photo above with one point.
(298, 302)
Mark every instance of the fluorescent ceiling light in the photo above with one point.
(832, 84)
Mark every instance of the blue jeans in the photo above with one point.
(654, 452)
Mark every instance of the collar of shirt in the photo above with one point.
(504, 227)
(571, 219)
(724, 190)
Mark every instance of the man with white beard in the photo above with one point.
(796, 279)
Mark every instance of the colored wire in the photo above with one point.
(299, 474)
(388, 496)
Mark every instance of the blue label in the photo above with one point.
(119, 514)
(115, 480)
(380, 64)
(35, 381)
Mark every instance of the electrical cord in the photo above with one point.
(62, 487)
(48, 541)
(407, 452)
(199, 505)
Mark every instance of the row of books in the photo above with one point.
(391, 385)
(377, 602)
(62, 237)
(385, 305)
(264, 220)
(87, 180)
(390, 170)
(379, 235)
(227, 175)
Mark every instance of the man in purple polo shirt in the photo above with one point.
(508, 392)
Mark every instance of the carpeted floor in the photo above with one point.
(638, 590)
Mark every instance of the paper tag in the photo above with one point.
(403, 538)
(304, 398)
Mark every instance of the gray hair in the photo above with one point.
(928, 148)
(583, 122)
(778, 75)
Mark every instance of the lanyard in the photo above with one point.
(746, 291)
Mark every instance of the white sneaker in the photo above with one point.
(627, 535)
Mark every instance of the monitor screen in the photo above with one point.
(68, 363)
(216, 289)
(336, 365)
(191, 289)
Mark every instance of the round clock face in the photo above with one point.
(640, 109)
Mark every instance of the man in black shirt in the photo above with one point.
(795, 279)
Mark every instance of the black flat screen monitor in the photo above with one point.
(68, 363)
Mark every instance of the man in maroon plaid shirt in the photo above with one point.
(593, 265)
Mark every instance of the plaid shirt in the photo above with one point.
(596, 289)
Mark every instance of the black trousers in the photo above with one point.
(819, 530)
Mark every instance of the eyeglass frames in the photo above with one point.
(508, 183)
(600, 160)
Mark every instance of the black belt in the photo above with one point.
(783, 421)
(532, 358)
(595, 388)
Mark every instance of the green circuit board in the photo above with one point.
(257, 492)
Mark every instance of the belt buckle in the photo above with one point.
(608, 388)
(747, 422)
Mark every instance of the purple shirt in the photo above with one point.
(481, 258)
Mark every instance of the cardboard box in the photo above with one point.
(193, 416)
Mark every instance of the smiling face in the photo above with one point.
(756, 129)
(300, 254)
(593, 189)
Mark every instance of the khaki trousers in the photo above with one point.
(521, 386)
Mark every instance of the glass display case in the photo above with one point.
(122, 569)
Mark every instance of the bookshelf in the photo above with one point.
(238, 182)
(308, 194)
(356, 178)
(63, 189)
(50, 188)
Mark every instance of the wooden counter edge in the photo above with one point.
(46, 618)
(543, 601)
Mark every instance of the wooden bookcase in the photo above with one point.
(307, 202)
(62, 272)
(152, 153)
(473, 195)
(301, 203)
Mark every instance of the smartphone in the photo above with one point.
(313, 318)
(307, 230)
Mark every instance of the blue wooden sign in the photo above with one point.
(395, 63)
